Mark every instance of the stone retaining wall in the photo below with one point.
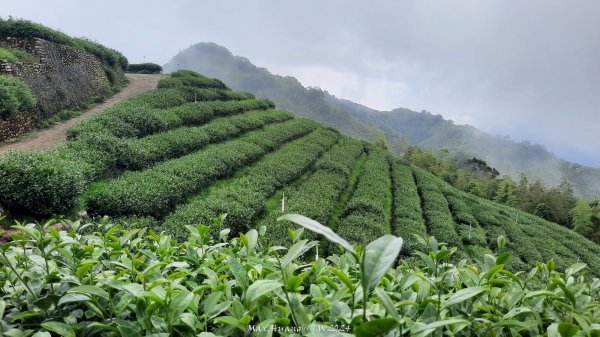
(65, 77)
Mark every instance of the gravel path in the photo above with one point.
(56, 135)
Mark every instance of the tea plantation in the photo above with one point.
(192, 150)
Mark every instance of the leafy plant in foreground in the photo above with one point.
(100, 280)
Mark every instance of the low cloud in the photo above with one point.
(526, 69)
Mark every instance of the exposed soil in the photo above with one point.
(56, 135)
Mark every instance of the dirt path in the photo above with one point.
(49, 138)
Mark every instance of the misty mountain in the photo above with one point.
(398, 127)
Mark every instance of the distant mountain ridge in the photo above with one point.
(398, 127)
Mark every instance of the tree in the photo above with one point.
(543, 211)
(506, 193)
(582, 218)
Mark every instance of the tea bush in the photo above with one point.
(145, 152)
(144, 68)
(158, 190)
(316, 196)
(136, 282)
(14, 95)
(244, 197)
(183, 78)
(435, 208)
(366, 216)
(407, 215)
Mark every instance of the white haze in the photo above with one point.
(526, 69)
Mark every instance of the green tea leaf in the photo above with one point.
(388, 303)
(376, 327)
(463, 295)
(379, 256)
(90, 290)
(60, 328)
(232, 321)
(567, 329)
(296, 250)
(317, 228)
(178, 304)
(261, 287)
(73, 298)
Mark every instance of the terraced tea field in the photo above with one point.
(193, 149)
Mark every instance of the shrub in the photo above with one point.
(12, 54)
(186, 78)
(158, 190)
(369, 206)
(436, 210)
(144, 68)
(41, 183)
(85, 282)
(244, 197)
(143, 153)
(316, 196)
(407, 216)
(15, 94)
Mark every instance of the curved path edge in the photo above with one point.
(48, 138)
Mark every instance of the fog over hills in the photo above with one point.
(399, 127)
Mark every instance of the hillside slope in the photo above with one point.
(54, 136)
(193, 149)
(398, 126)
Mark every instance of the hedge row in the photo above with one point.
(407, 215)
(494, 223)
(189, 78)
(467, 226)
(42, 182)
(367, 214)
(436, 211)
(316, 197)
(50, 182)
(139, 154)
(139, 117)
(581, 248)
(158, 190)
(243, 198)
(144, 68)
(534, 239)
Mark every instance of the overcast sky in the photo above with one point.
(526, 69)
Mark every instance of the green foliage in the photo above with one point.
(27, 29)
(142, 153)
(12, 54)
(136, 282)
(64, 179)
(243, 198)
(507, 192)
(144, 68)
(158, 190)
(15, 94)
(366, 216)
(182, 78)
(317, 195)
(407, 217)
(59, 117)
(582, 217)
(96, 150)
(162, 155)
(435, 209)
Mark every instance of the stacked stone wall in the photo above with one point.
(64, 78)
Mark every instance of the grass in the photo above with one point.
(14, 55)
